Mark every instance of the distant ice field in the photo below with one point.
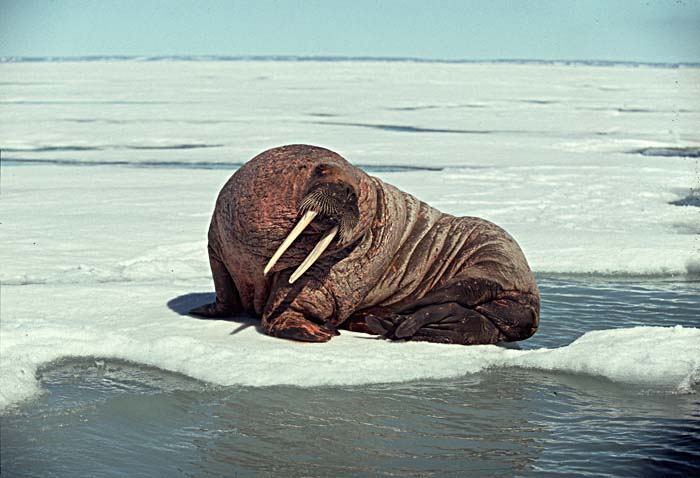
(110, 171)
(374, 113)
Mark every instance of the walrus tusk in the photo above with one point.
(298, 229)
(315, 254)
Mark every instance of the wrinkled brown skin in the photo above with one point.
(406, 271)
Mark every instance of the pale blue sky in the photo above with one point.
(654, 30)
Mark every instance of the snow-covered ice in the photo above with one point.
(91, 255)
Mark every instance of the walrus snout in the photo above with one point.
(336, 205)
(329, 207)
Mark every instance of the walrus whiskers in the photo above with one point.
(298, 229)
(315, 254)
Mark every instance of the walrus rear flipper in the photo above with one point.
(463, 313)
(227, 301)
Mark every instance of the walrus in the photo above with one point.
(309, 243)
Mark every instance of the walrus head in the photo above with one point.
(329, 207)
(334, 200)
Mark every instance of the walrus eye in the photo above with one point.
(321, 170)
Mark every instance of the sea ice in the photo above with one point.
(92, 254)
(131, 322)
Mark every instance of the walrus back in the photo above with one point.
(436, 249)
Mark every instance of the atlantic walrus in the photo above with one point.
(310, 243)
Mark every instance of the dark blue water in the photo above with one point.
(105, 418)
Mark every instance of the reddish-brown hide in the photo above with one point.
(403, 270)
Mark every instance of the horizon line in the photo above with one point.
(338, 58)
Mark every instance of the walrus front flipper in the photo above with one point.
(227, 302)
(294, 326)
(303, 311)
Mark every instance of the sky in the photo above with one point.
(651, 31)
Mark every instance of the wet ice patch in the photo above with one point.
(683, 152)
(64, 148)
(692, 199)
(397, 128)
